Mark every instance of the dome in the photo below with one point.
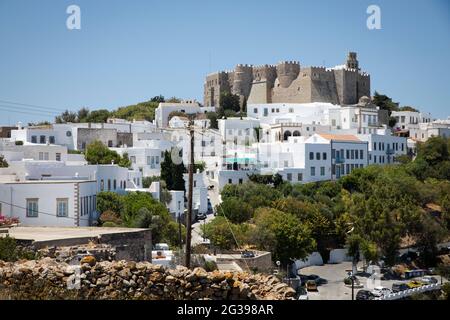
(364, 100)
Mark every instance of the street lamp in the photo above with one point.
(353, 284)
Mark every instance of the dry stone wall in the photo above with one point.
(50, 279)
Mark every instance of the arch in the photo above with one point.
(287, 134)
(296, 133)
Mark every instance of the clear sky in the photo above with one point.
(130, 51)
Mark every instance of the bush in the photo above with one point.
(19, 143)
(10, 251)
(110, 217)
(110, 224)
(210, 266)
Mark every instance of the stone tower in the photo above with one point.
(287, 72)
(352, 62)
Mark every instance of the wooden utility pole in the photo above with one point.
(190, 192)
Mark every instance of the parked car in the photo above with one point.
(415, 284)
(311, 285)
(161, 247)
(428, 280)
(318, 280)
(247, 254)
(201, 216)
(364, 295)
(397, 287)
(211, 187)
(302, 294)
(381, 291)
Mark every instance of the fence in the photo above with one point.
(409, 292)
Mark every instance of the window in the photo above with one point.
(115, 184)
(133, 159)
(356, 154)
(286, 163)
(317, 155)
(230, 181)
(324, 156)
(109, 184)
(348, 154)
(62, 207)
(347, 168)
(374, 146)
(374, 159)
(311, 156)
(289, 177)
(58, 156)
(51, 139)
(42, 139)
(333, 169)
(300, 177)
(157, 159)
(43, 156)
(255, 110)
(333, 153)
(33, 139)
(110, 143)
(32, 208)
(352, 154)
(68, 133)
(313, 171)
(102, 185)
(240, 181)
(322, 171)
(361, 154)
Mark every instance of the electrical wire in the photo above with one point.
(41, 212)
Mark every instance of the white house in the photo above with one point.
(188, 107)
(383, 149)
(406, 119)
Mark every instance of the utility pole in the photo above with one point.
(190, 190)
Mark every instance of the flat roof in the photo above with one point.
(339, 137)
(59, 233)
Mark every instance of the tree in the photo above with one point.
(3, 162)
(66, 117)
(109, 201)
(98, 153)
(82, 114)
(99, 116)
(235, 210)
(212, 116)
(384, 102)
(283, 235)
(172, 173)
(158, 99)
(230, 101)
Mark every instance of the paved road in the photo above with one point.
(335, 288)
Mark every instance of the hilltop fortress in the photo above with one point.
(287, 82)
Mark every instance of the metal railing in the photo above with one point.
(409, 292)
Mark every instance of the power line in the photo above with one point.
(14, 108)
(41, 212)
(32, 105)
(25, 112)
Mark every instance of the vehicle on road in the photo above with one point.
(397, 287)
(311, 285)
(364, 295)
(428, 280)
(211, 187)
(247, 254)
(381, 291)
(415, 284)
(318, 280)
(302, 294)
(201, 216)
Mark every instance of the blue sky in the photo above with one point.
(129, 51)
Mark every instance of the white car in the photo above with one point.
(381, 291)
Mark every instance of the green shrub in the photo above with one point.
(19, 143)
(109, 224)
(210, 266)
(10, 251)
